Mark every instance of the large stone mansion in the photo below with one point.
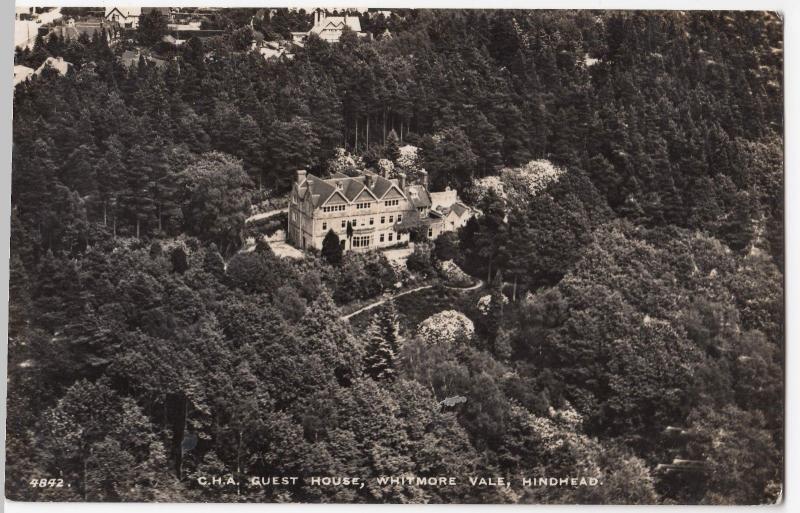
(378, 210)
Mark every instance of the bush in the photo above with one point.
(446, 246)
(362, 276)
(448, 327)
(420, 260)
(453, 275)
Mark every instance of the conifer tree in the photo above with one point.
(379, 361)
(331, 248)
(495, 315)
(392, 146)
(39, 53)
(388, 325)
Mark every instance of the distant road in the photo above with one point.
(25, 31)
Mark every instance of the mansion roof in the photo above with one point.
(434, 206)
(350, 187)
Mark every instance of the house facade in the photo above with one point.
(127, 17)
(367, 211)
(330, 28)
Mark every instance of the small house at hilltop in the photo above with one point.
(330, 28)
(126, 17)
(56, 63)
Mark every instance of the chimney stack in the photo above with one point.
(424, 177)
(301, 175)
(402, 178)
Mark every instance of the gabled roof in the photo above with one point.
(125, 12)
(319, 189)
(418, 196)
(336, 193)
(382, 186)
(365, 195)
(337, 23)
(58, 64)
(444, 199)
(460, 209)
(351, 187)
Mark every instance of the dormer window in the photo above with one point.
(339, 185)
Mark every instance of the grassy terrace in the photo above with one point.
(414, 308)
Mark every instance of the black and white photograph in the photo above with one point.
(396, 256)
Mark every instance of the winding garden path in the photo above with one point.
(264, 215)
(478, 285)
(411, 291)
(383, 300)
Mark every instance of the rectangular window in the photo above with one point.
(391, 219)
(371, 221)
(362, 241)
(381, 238)
(344, 223)
(399, 217)
(430, 232)
(383, 219)
(324, 226)
(354, 223)
(392, 203)
(390, 236)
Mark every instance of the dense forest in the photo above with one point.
(636, 302)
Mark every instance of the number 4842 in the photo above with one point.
(47, 483)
